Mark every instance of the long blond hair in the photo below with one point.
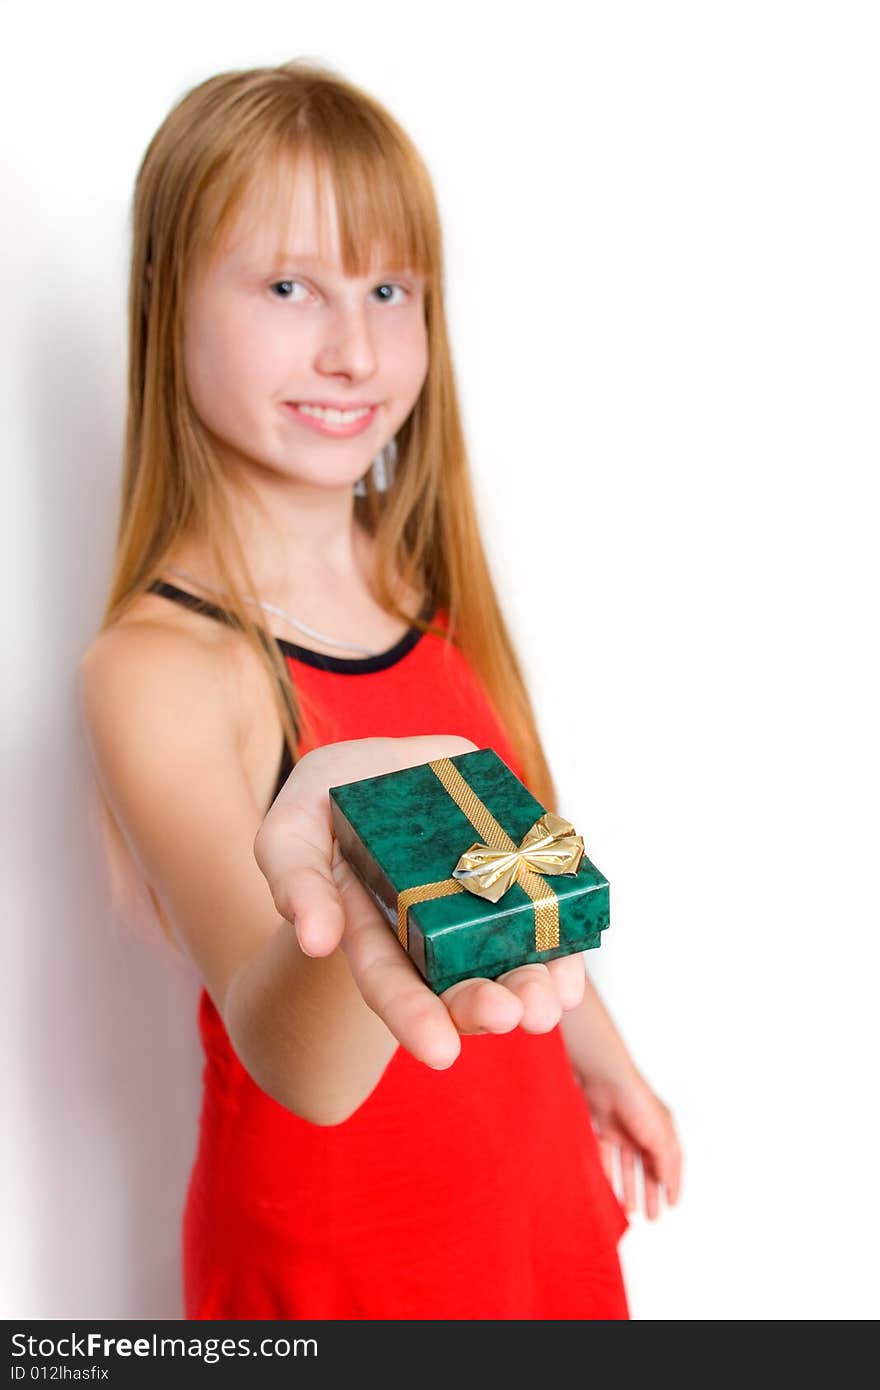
(197, 170)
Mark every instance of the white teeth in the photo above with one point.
(335, 417)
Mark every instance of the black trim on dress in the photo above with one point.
(343, 665)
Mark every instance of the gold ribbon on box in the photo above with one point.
(488, 869)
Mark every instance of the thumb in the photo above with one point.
(300, 878)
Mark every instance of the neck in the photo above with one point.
(301, 542)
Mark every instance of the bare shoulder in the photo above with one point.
(137, 678)
(127, 652)
(161, 665)
(144, 629)
(165, 716)
(194, 646)
(162, 729)
(154, 704)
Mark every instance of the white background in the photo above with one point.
(662, 230)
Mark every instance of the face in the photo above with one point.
(269, 342)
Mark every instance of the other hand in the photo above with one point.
(631, 1119)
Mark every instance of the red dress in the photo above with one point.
(475, 1192)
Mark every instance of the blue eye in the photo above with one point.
(389, 287)
(278, 285)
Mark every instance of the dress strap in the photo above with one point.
(188, 600)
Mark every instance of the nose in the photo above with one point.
(346, 347)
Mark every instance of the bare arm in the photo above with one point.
(594, 1045)
(317, 1030)
(626, 1113)
(163, 735)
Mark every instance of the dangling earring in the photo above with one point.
(384, 467)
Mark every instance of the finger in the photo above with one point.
(652, 1197)
(392, 986)
(533, 986)
(665, 1158)
(482, 1006)
(628, 1176)
(569, 977)
(412, 1012)
(606, 1153)
(293, 851)
(671, 1174)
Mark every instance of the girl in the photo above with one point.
(301, 598)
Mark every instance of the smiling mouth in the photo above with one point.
(334, 415)
(339, 422)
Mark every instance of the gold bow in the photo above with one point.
(549, 847)
(490, 867)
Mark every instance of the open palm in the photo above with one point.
(316, 890)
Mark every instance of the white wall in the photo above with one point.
(662, 223)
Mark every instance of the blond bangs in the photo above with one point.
(386, 214)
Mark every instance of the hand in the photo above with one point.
(628, 1116)
(316, 890)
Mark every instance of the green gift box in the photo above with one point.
(473, 874)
